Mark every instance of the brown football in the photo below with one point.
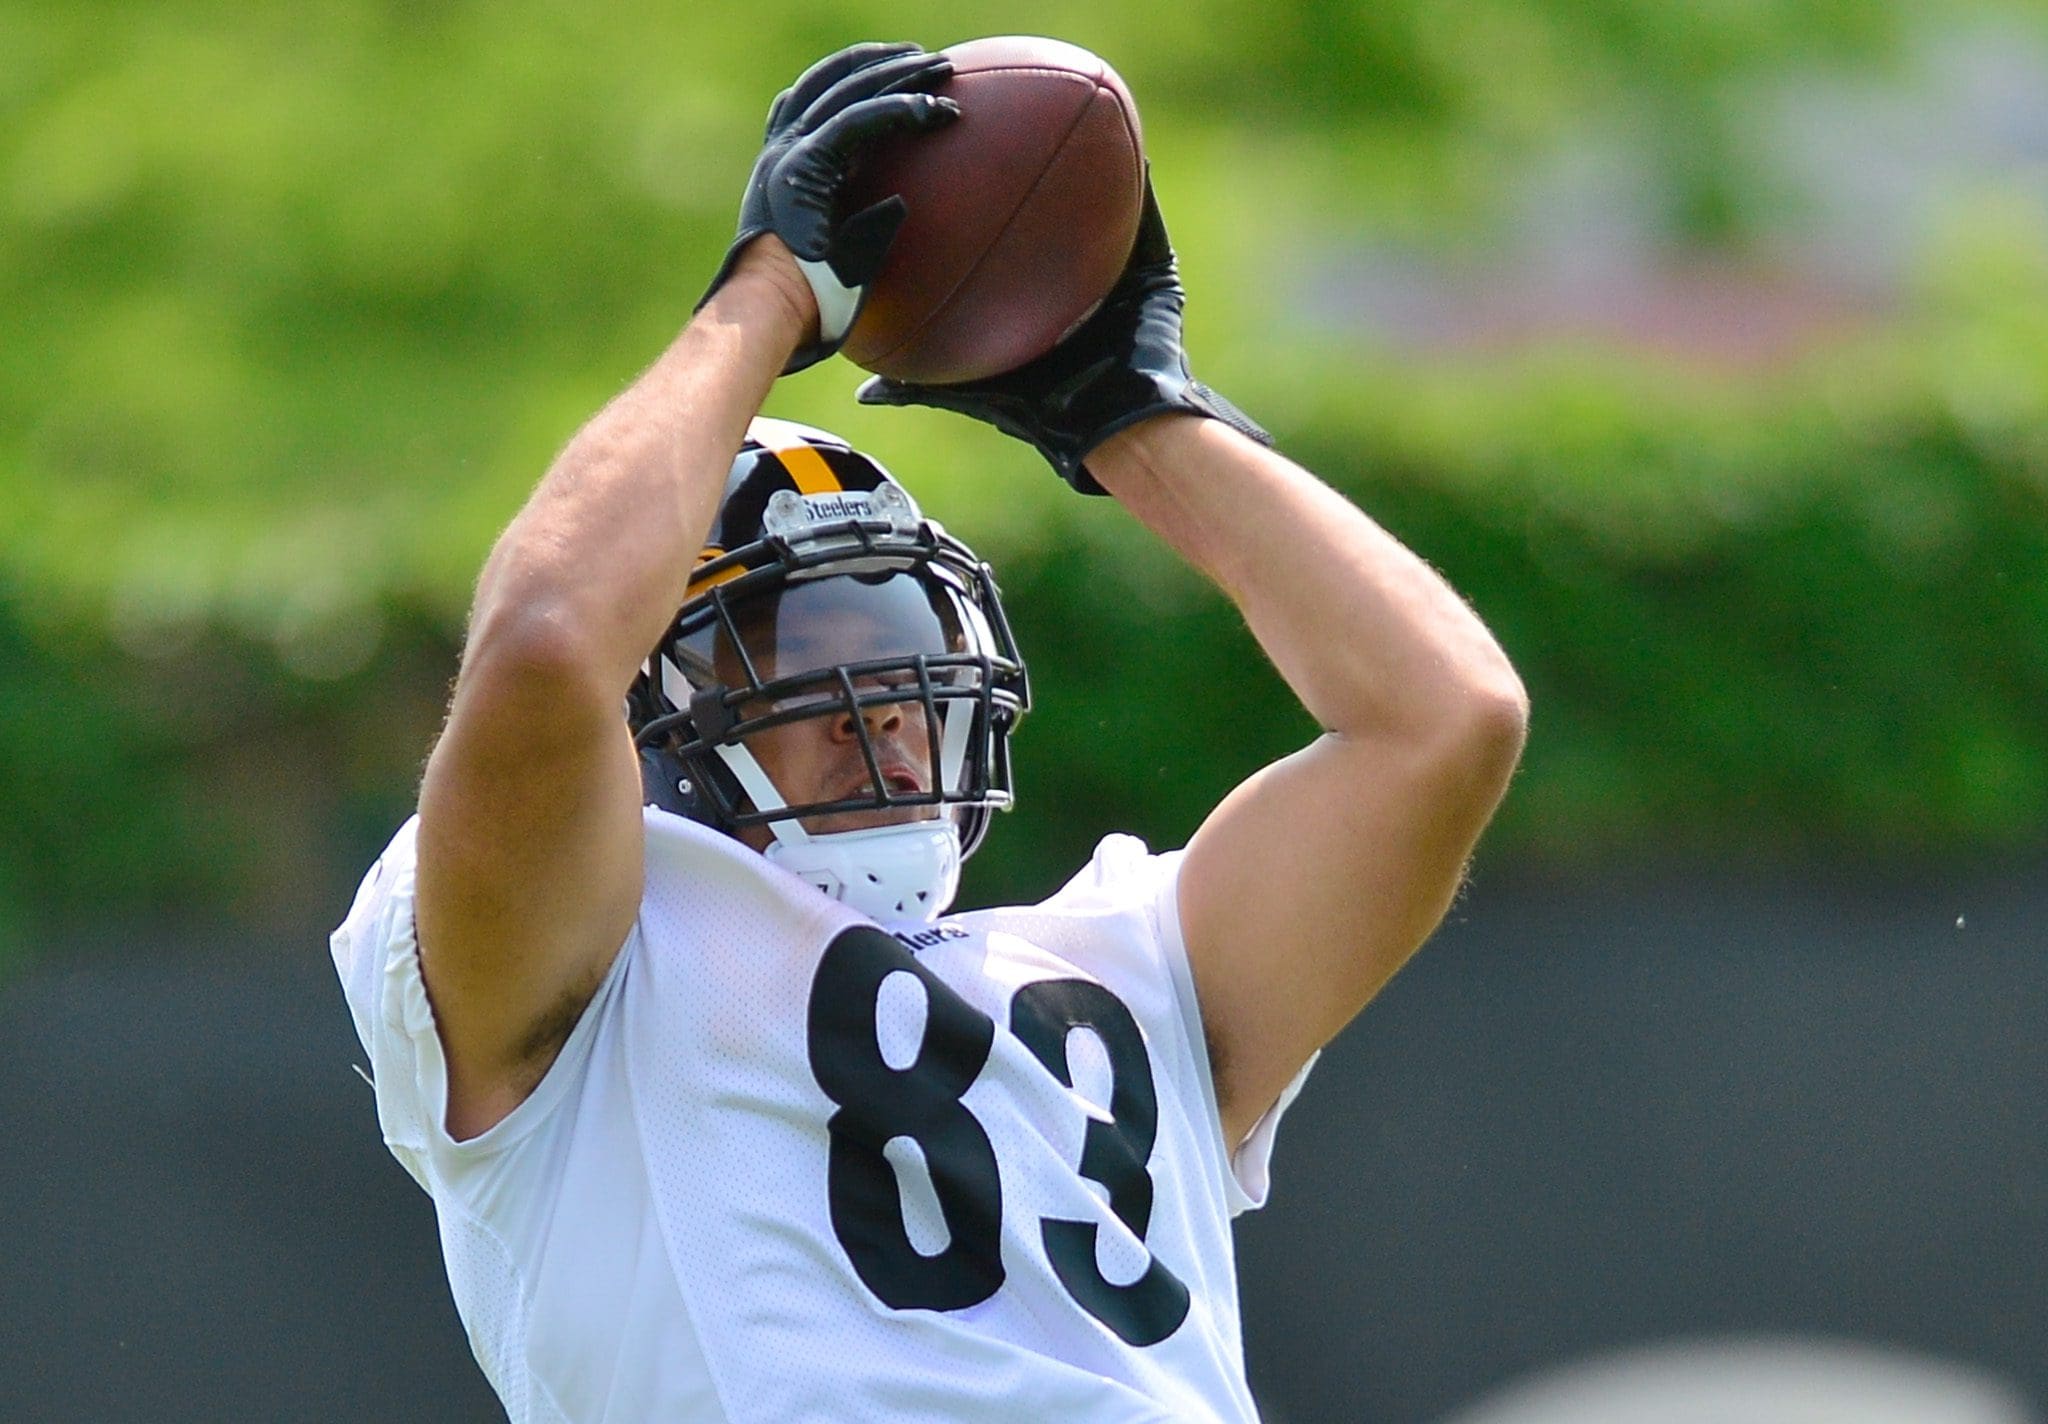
(1022, 213)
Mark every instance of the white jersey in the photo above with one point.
(793, 1166)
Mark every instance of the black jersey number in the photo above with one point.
(1113, 1153)
(922, 1101)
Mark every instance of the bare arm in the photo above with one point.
(530, 851)
(1313, 881)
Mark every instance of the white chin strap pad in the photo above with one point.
(907, 872)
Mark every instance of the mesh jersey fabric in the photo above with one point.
(681, 1221)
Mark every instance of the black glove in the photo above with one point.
(1121, 365)
(817, 130)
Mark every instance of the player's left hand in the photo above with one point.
(818, 130)
(1124, 364)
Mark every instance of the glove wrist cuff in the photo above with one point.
(839, 305)
(1189, 398)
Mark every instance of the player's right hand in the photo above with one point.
(818, 128)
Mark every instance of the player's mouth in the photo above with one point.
(898, 779)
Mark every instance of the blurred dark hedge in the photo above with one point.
(299, 303)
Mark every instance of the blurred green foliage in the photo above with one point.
(299, 302)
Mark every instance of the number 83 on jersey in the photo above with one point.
(922, 1101)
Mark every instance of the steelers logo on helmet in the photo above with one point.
(831, 631)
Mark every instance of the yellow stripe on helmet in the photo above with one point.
(808, 468)
(700, 582)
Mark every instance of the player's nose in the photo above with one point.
(881, 717)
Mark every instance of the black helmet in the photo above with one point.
(823, 593)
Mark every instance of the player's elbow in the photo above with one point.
(1490, 727)
(1473, 743)
(1497, 711)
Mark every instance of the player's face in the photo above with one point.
(832, 623)
(820, 759)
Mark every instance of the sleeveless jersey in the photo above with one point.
(792, 1165)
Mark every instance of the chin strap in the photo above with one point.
(906, 872)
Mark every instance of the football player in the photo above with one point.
(725, 1112)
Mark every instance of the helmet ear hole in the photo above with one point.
(667, 783)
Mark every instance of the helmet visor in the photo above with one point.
(863, 697)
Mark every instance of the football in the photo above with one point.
(1022, 213)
